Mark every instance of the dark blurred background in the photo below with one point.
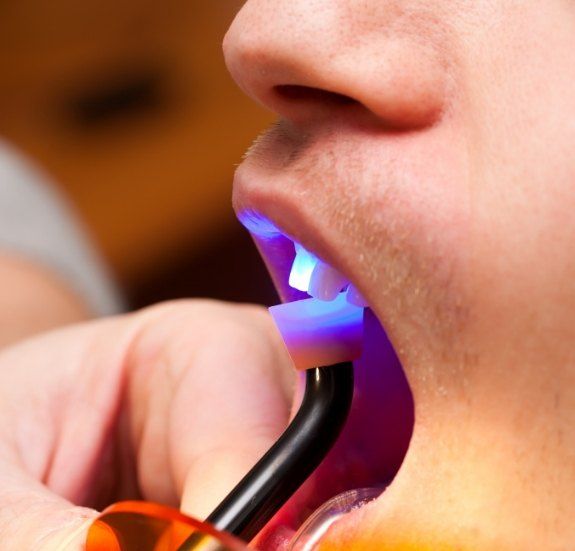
(128, 105)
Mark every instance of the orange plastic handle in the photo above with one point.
(143, 526)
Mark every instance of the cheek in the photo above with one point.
(518, 105)
(523, 245)
(412, 218)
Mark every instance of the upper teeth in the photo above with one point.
(326, 282)
(355, 297)
(320, 280)
(302, 268)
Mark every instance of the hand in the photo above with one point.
(173, 404)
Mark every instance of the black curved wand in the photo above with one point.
(289, 462)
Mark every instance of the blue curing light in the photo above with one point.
(317, 332)
(303, 266)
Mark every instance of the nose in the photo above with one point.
(308, 59)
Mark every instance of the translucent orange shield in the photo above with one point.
(141, 526)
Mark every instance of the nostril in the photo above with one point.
(307, 94)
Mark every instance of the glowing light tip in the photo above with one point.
(317, 332)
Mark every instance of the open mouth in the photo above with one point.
(372, 446)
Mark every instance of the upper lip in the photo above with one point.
(278, 253)
(293, 221)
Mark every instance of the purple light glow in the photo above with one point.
(318, 333)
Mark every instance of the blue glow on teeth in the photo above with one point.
(302, 269)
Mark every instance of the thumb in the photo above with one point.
(242, 409)
(214, 474)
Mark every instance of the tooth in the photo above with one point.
(326, 282)
(355, 297)
(302, 268)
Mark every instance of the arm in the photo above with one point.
(50, 274)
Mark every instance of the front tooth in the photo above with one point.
(353, 296)
(302, 268)
(326, 282)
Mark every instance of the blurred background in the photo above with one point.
(128, 105)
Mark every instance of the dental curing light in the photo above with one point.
(315, 333)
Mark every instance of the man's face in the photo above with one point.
(426, 149)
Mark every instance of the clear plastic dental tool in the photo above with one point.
(316, 526)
